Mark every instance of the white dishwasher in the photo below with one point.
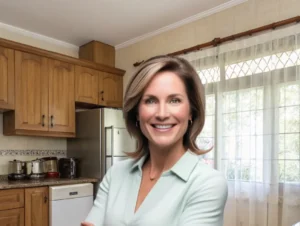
(70, 204)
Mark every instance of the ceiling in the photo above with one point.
(115, 22)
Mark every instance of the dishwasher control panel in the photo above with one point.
(70, 191)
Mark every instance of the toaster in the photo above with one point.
(68, 167)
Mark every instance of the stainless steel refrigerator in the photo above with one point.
(101, 140)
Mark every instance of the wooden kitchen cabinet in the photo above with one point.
(36, 206)
(86, 85)
(31, 110)
(7, 84)
(14, 217)
(110, 90)
(44, 98)
(12, 207)
(11, 199)
(61, 97)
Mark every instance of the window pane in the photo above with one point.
(209, 75)
(229, 102)
(205, 140)
(229, 147)
(291, 145)
(230, 124)
(242, 134)
(210, 104)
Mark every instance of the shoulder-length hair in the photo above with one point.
(139, 82)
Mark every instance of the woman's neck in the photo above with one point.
(162, 159)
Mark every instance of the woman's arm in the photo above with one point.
(97, 213)
(206, 204)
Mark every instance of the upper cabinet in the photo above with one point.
(7, 88)
(44, 100)
(111, 90)
(94, 87)
(39, 89)
(61, 97)
(31, 110)
(86, 85)
(98, 52)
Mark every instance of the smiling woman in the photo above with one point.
(164, 182)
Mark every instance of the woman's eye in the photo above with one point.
(175, 101)
(150, 101)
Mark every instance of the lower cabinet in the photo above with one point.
(14, 217)
(37, 206)
(24, 207)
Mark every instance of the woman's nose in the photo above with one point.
(162, 111)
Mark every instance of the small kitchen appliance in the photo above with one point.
(16, 170)
(68, 167)
(51, 168)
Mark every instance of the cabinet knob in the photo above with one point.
(45, 199)
(51, 120)
(43, 120)
(102, 95)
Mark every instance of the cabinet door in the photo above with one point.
(7, 79)
(61, 97)
(111, 90)
(86, 85)
(31, 100)
(36, 206)
(14, 217)
(11, 199)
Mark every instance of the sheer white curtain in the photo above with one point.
(253, 120)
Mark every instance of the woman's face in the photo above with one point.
(164, 111)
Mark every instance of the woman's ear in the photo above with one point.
(190, 117)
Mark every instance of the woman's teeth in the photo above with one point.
(162, 126)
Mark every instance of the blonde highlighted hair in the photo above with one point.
(139, 82)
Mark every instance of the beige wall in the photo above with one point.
(248, 15)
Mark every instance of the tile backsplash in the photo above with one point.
(26, 148)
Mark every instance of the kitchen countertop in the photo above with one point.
(8, 184)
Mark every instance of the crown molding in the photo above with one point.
(36, 36)
(181, 22)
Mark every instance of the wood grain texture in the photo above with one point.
(110, 90)
(31, 99)
(7, 79)
(36, 206)
(86, 85)
(57, 56)
(11, 199)
(61, 97)
(98, 52)
(13, 217)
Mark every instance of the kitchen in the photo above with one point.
(97, 82)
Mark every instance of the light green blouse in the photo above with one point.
(190, 193)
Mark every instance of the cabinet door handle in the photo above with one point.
(52, 120)
(45, 199)
(102, 95)
(43, 120)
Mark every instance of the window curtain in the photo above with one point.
(252, 91)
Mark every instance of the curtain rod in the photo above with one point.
(218, 41)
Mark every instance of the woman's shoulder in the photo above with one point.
(207, 177)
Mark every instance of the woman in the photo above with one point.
(164, 183)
